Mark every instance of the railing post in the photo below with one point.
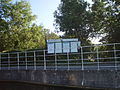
(0, 60)
(98, 65)
(115, 56)
(8, 61)
(18, 60)
(34, 61)
(68, 60)
(44, 61)
(55, 61)
(82, 58)
(26, 60)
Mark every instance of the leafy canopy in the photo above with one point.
(17, 30)
(79, 19)
(72, 18)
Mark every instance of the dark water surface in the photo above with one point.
(5, 85)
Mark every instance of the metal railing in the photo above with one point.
(94, 57)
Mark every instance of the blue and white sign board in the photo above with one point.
(50, 47)
(74, 47)
(58, 47)
(66, 47)
(63, 45)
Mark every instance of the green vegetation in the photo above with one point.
(73, 19)
(106, 19)
(17, 30)
(79, 19)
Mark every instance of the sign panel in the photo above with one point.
(74, 47)
(66, 47)
(50, 47)
(63, 45)
(69, 40)
(58, 47)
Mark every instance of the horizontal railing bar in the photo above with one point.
(62, 63)
(100, 45)
(76, 63)
(107, 66)
(98, 52)
(99, 58)
(39, 55)
(39, 60)
(22, 52)
(88, 57)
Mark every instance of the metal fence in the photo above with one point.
(94, 57)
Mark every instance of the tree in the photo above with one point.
(72, 17)
(16, 28)
(106, 20)
(113, 22)
(49, 35)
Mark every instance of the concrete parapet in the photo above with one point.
(78, 78)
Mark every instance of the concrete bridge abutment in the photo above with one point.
(78, 78)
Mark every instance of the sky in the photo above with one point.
(44, 10)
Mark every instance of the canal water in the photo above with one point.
(26, 86)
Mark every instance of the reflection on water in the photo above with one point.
(25, 86)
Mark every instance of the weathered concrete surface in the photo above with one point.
(87, 78)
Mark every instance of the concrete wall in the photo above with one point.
(87, 78)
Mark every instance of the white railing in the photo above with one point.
(94, 57)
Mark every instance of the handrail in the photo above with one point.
(91, 57)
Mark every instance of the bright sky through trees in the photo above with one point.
(44, 10)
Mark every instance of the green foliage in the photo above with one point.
(17, 31)
(79, 19)
(72, 18)
(106, 20)
(49, 35)
(16, 26)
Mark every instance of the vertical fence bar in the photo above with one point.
(98, 62)
(44, 61)
(18, 61)
(34, 61)
(68, 60)
(0, 60)
(8, 61)
(115, 56)
(82, 58)
(26, 64)
(55, 61)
